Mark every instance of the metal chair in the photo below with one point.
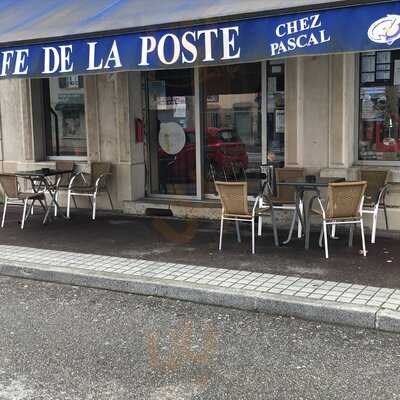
(13, 196)
(375, 196)
(235, 207)
(343, 206)
(285, 198)
(99, 173)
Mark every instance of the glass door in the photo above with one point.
(231, 116)
(172, 137)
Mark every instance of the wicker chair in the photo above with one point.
(343, 205)
(285, 198)
(13, 196)
(375, 196)
(235, 207)
(99, 172)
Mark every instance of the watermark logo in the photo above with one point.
(385, 30)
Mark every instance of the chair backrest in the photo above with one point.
(233, 197)
(97, 169)
(375, 179)
(287, 193)
(9, 184)
(344, 199)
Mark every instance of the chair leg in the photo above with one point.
(68, 204)
(94, 207)
(333, 231)
(55, 205)
(364, 250)
(259, 226)
(374, 224)
(289, 238)
(74, 200)
(299, 226)
(221, 229)
(109, 198)
(24, 214)
(351, 235)
(326, 240)
(274, 228)
(4, 211)
(239, 239)
(253, 236)
(321, 236)
(386, 215)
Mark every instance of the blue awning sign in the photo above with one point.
(348, 29)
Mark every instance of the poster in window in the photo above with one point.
(383, 75)
(368, 64)
(368, 77)
(383, 57)
(280, 121)
(272, 84)
(72, 125)
(396, 72)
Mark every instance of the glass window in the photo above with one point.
(64, 114)
(379, 130)
(171, 132)
(232, 123)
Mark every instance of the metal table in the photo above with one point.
(41, 182)
(300, 188)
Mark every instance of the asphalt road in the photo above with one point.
(61, 342)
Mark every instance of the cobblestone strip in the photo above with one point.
(337, 292)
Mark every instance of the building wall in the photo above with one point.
(110, 112)
(321, 124)
(321, 121)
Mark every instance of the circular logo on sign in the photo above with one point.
(171, 138)
(385, 30)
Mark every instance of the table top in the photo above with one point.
(42, 173)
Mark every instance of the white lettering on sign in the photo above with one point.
(113, 57)
(149, 44)
(189, 46)
(175, 46)
(57, 59)
(171, 48)
(14, 62)
(304, 39)
(228, 39)
(207, 42)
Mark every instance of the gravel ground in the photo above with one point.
(68, 343)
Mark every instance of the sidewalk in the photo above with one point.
(178, 259)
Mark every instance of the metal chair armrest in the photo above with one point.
(74, 177)
(319, 200)
(382, 194)
(100, 178)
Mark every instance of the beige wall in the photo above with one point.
(112, 103)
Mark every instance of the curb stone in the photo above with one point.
(309, 309)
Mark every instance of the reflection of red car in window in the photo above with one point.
(385, 143)
(223, 149)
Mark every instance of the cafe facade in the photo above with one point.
(174, 99)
